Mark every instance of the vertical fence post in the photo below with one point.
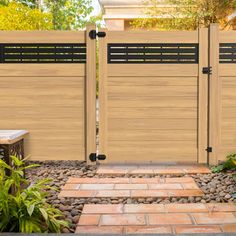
(214, 94)
(202, 95)
(90, 97)
(103, 94)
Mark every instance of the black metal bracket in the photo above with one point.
(209, 149)
(94, 157)
(93, 34)
(207, 70)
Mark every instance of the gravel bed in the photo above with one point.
(217, 188)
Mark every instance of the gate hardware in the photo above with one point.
(94, 157)
(101, 157)
(207, 70)
(209, 149)
(93, 34)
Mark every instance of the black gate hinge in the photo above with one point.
(207, 70)
(209, 149)
(94, 157)
(93, 34)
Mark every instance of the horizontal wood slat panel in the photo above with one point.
(152, 135)
(132, 113)
(152, 124)
(42, 37)
(152, 81)
(132, 155)
(152, 143)
(152, 102)
(36, 70)
(152, 37)
(145, 70)
(227, 70)
(227, 36)
(153, 91)
(51, 109)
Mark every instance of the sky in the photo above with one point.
(96, 7)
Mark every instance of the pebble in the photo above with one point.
(218, 187)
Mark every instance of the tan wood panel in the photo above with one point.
(52, 113)
(42, 36)
(223, 152)
(152, 37)
(152, 143)
(152, 102)
(90, 108)
(153, 81)
(146, 70)
(227, 70)
(61, 70)
(228, 137)
(203, 96)
(141, 155)
(152, 91)
(178, 113)
(154, 135)
(227, 36)
(152, 124)
(214, 96)
(103, 94)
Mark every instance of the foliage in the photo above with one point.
(16, 16)
(46, 15)
(25, 209)
(186, 14)
(230, 164)
(70, 14)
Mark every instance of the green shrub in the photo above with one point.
(229, 164)
(25, 209)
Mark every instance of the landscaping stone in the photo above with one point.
(216, 187)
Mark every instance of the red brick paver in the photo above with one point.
(157, 218)
(130, 187)
(153, 169)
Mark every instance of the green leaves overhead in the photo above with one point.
(186, 14)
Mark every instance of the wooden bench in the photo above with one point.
(12, 144)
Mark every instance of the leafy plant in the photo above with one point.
(186, 14)
(230, 164)
(25, 209)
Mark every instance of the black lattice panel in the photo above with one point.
(228, 53)
(42, 53)
(153, 53)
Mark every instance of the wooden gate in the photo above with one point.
(222, 112)
(48, 87)
(153, 96)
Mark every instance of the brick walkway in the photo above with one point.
(153, 169)
(157, 218)
(130, 187)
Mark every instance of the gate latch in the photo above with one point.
(209, 149)
(94, 157)
(93, 34)
(207, 70)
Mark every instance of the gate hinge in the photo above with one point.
(209, 149)
(94, 157)
(207, 70)
(93, 34)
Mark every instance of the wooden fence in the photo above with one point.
(48, 87)
(164, 96)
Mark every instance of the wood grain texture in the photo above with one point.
(90, 115)
(215, 92)
(51, 109)
(152, 37)
(203, 97)
(42, 37)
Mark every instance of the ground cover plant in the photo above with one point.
(23, 206)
